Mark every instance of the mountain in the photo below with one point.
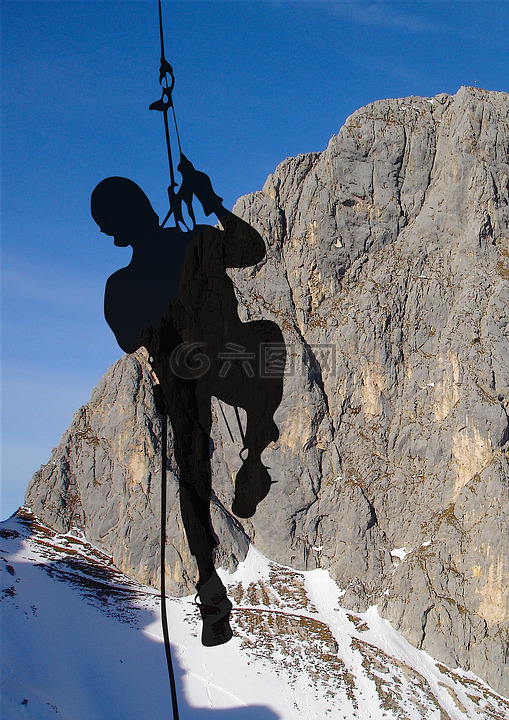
(387, 270)
(84, 641)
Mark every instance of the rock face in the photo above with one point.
(387, 270)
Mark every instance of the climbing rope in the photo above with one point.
(161, 410)
(167, 83)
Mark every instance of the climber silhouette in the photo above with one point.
(176, 299)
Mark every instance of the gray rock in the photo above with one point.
(105, 477)
(387, 270)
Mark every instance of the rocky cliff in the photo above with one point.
(387, 270)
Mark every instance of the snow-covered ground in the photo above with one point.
(81, 641)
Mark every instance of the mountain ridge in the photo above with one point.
(386, 269)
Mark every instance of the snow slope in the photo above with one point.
(81, 641)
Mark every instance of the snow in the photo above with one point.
(84, 642)
(400, 554)
(255, 567)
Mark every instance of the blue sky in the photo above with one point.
(256, 82)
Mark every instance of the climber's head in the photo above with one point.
(121, 209)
